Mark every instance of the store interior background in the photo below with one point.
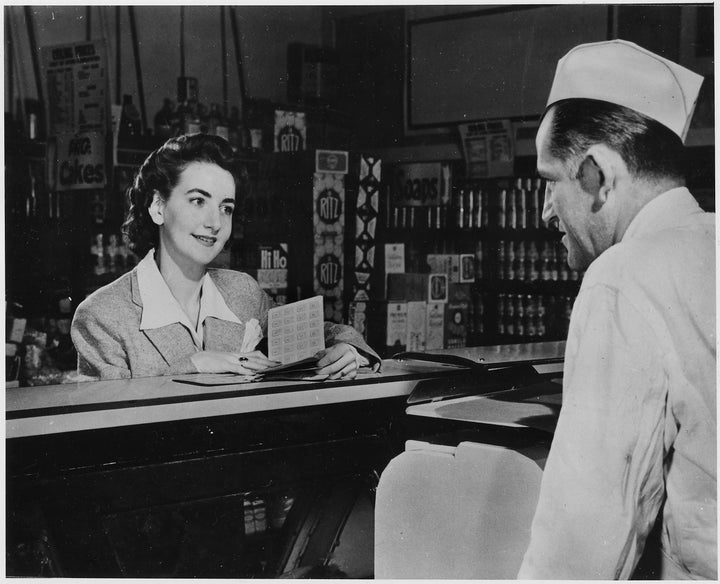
(48, 254)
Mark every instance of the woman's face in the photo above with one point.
(197, 215)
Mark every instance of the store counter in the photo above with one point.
(158, 477)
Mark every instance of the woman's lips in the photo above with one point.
(208, 241)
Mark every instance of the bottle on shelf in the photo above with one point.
(163, 121)
(97, 251)
(501, 268)
(222, 128)
(519, 316)
(189, 117)
(520, 261)
(202, 114)
(111, 253)
(511, 211)
(501, 313)
(130, 124)
(485, 210)
(501, 210)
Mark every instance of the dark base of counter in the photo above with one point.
(251, 495)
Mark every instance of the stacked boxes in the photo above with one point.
(387, 327)
(457, 316)
(435, 307)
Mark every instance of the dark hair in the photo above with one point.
(650, 149)
(161, 172)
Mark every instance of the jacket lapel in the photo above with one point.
(173, 341)
(223, 335)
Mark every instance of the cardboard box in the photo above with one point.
(416, 287)
(416, 325)
(457, 316)
(387, 327)
(394, 258)
(460, 293)
(434, 326)
(456, 325)
(445, 263)
(467, 268)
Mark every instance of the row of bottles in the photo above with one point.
(528, 316)
(111, 255)
(533, 315)
(516, 207)
(533, 260)
(188, 116)
(479, 206)
(529, 261)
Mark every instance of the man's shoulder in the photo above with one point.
(657, 256)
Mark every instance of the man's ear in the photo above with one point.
(156, 209)
(597, 174)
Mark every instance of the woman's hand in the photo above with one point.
(242, 363)
(339, 361)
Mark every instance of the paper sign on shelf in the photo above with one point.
(488, 148)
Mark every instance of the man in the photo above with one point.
(636, 437)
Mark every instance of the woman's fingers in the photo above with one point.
(254, 361)
(338, 362)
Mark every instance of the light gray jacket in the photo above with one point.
(110, 345)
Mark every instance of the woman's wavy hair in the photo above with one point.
(161, 172)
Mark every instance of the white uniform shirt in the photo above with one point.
(161, 308)
(638, 428)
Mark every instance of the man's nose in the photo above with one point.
(548, 213)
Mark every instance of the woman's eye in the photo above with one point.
(228, 210)
(197, 201)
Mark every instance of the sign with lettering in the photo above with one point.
(488, 148)
(76, 81)
(290, 131)
(80, 161)
(274, 256)
(421, 184)
(331, 161)
(329, 228)
(329, 206)
(329, 271)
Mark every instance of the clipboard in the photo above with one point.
(480, 378)
(534, 406)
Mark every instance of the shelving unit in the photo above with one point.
(523, 289)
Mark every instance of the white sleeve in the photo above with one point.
(603, 482)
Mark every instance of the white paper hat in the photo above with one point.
(623, 73)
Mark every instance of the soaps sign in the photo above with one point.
(80, 161)
(420, 184)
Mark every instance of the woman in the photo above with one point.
(172, 314)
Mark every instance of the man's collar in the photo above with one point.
(662, 212)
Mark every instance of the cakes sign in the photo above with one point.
(80, 161)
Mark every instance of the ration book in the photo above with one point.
(296, 331)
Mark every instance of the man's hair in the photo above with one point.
(650, 150)
(161, 172)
